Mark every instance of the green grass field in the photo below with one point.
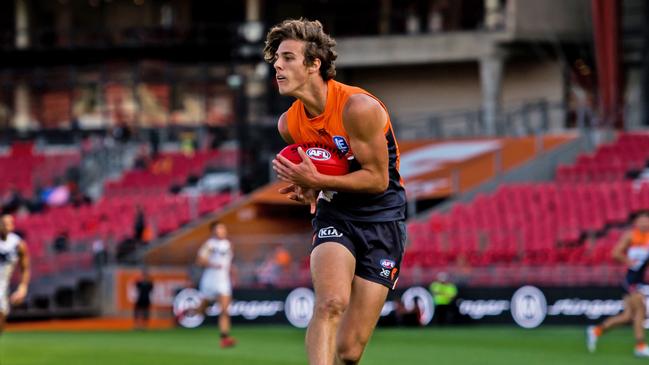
(283, 345)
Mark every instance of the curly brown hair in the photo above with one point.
(317, 44)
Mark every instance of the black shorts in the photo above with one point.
(377, 246)
(633, 280)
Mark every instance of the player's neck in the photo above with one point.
(314, 97)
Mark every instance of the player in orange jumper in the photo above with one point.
(633, 251)
(359, 231)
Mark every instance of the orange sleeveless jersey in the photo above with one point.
(328, 129)
(322, 128)
(639, 238)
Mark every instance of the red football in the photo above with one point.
(327, 160)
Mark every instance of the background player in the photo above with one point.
(215, 256)
(359, 233)
(12, 250)
(633, 251)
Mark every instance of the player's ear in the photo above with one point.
(315, 66)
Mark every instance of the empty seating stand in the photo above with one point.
(24, 169)
(571, 223)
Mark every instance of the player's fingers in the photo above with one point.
(305, 158)
(280, 171)
(281, 168)
(313, 206)
(284, 178)
(287, 189)
(278, 165)
(283, 161)
(295, 197)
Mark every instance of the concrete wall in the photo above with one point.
(549, 19)
(421, 89)
(525, 80)
(415, 49)
(444, 87)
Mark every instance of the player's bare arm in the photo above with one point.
(619, 251)
(282, 127)
(203, 258)
(364, 120)
(19, 295)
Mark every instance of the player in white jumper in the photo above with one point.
(215, 256)
(13, 250)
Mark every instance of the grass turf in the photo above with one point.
(283, 345)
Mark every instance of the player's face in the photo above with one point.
(642, 223)
(290, 71)
(221, 231)
(6, 224)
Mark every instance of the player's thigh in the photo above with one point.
(332, 272)
(637, 302)
(367, 300)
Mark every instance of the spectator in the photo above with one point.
(268, 274)
(154, 142)
(142, 309)
(283, 257)
(99, 254)
(122, 132)
(276, 261)
(12, 201)
(139, 224)
(444, 293)
(142, 159)
(61, 242)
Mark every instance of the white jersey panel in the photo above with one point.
(216, 277)
(8, 259)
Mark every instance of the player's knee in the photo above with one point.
(349, 353)
(331, 307)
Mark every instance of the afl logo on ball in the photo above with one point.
(318, 154)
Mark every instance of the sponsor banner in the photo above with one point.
(526, 306)
(293, 307)
(529, 306)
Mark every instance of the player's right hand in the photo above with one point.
(301, 195)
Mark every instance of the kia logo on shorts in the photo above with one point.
(529, 307)
(318, 154)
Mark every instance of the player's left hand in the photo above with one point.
(19, 295)
(301, 195)
(303, 174)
